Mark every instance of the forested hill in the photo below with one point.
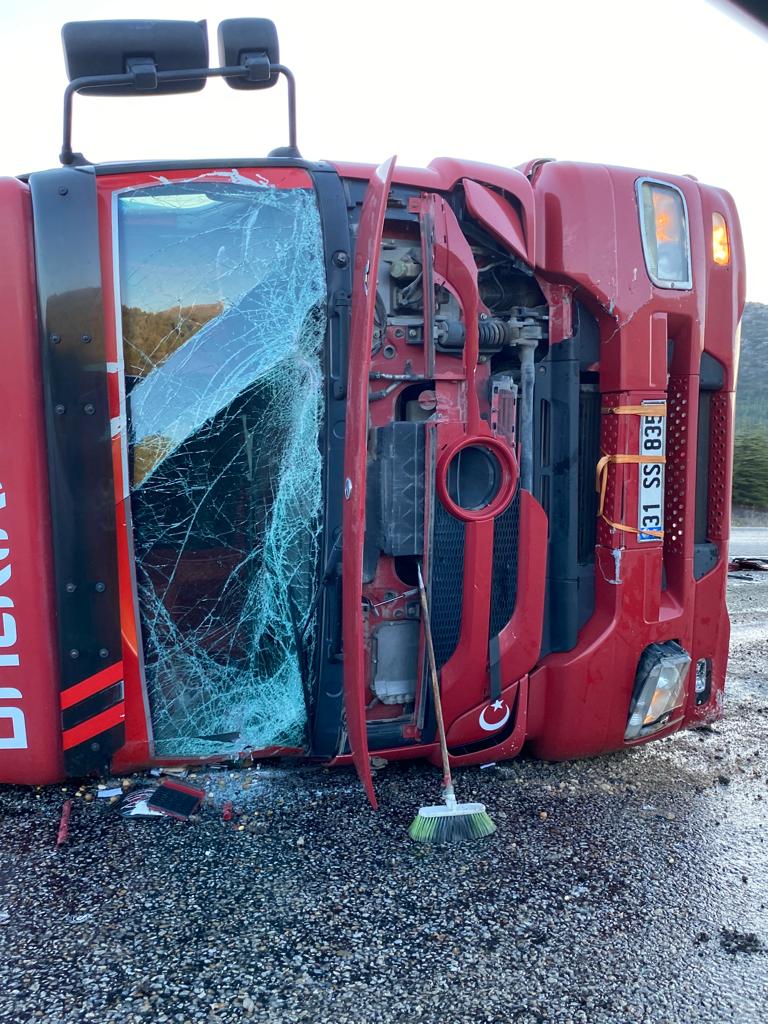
(752, 386)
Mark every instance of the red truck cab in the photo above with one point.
(245, 401)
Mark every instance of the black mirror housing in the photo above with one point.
(247, 42)
(119, 46)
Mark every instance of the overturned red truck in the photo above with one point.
(243, 401)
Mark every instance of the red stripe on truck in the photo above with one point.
(93, 684)
(93, 726)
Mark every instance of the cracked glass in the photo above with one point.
(222, 309)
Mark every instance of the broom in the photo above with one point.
(449, 822)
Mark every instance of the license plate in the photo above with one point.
(650, 501)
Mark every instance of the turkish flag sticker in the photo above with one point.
(494, 716)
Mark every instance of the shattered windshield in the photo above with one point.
(222, 303)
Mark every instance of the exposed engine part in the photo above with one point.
(396, 661)
(405, 269)
(380, 324)
(525, 325)
(494, 332)
(531, 323)
(504, 407)
(376, 396)
(411, 378)
(390, 600)
(417, 403)
(450, 334)
(527, 377)
(427, 401)
(505, 283)
(409, 297)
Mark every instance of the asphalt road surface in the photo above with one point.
(746, 541)
(629, 888)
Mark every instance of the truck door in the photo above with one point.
(367, 254)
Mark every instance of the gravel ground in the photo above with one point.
(629, 888)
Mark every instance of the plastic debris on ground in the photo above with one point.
(736, 565)
(135, 805)
(63, 833)
(176, 799)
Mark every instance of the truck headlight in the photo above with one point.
(721, 247)
(664, 229)
(703, 687)
(659, 688)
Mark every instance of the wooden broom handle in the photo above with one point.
(447, 781)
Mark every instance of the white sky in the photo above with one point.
(662, 85)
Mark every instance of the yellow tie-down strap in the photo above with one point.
(636, 410)
(602, 483)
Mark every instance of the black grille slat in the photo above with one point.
(589, 453)
(506, 531)
(447, 583)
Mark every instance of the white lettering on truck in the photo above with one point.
(8, 657)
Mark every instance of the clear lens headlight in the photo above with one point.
(659, 688)
(664, 227)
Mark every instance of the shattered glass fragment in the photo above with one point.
(222, 310)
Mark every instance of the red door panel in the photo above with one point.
(30, 725)
(498, 215)
(363, 306)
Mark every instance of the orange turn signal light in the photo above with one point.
(721, 247)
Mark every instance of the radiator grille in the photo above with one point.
(447, 582)
(506, 530)
(589, 453)
(609, 430)
(719, 498)
(676, 476)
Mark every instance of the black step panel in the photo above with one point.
(78, 438)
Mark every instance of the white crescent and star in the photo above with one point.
(494, 725)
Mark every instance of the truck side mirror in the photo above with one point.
(252, 43)
(141, 48)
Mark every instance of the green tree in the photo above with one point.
(750, 469)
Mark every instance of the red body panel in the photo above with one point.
(499, 216)
(30, 726)
(444, 173)
(581, 697)
(355, 463)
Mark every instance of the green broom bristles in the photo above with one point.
(451, 829)
(451, 823)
